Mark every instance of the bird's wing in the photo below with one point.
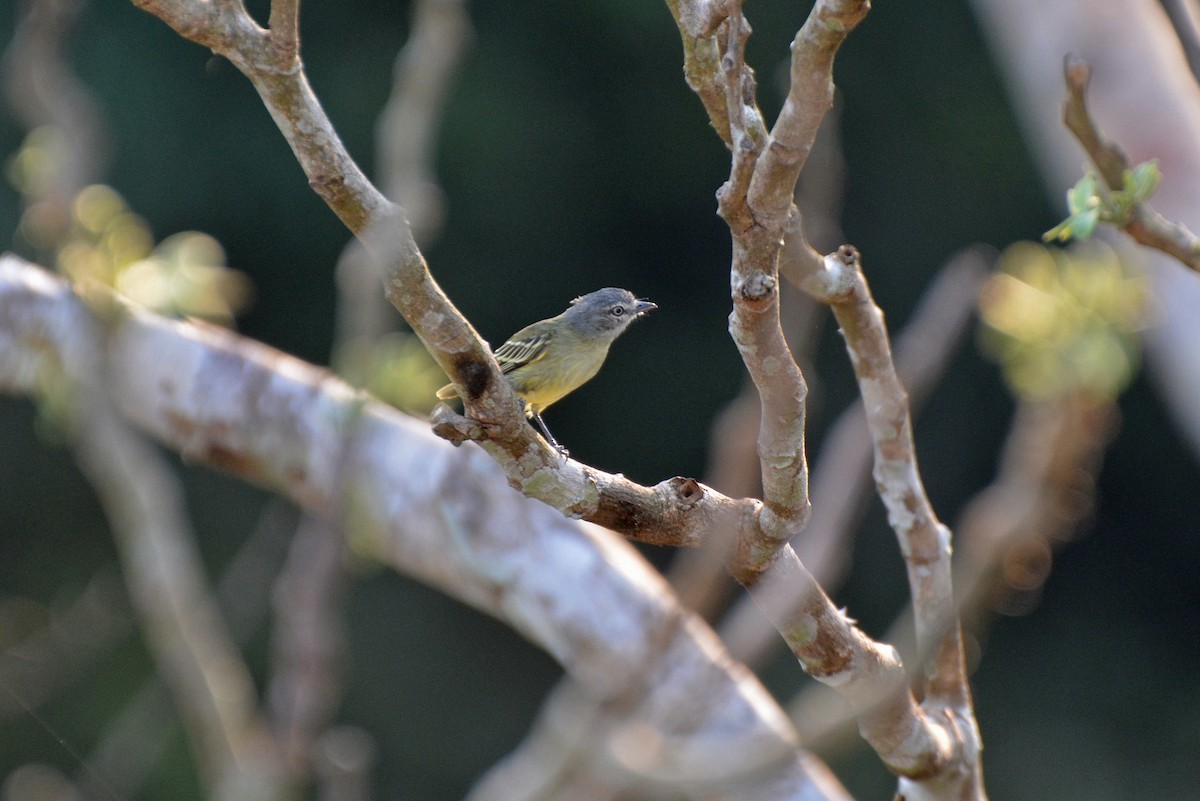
(524, 347)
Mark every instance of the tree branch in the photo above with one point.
(1145, 225)
(809, 97)
(383, 230)
(697, 21)
(841, 473)
(924, 540)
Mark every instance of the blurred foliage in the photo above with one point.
(396, 369)
(1063, 322)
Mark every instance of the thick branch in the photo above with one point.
(440, 514)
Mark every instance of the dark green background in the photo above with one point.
(573, 157)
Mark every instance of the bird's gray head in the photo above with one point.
(606, 311)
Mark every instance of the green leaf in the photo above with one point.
(1083, 195)
(1143, 180)
(1083, 225)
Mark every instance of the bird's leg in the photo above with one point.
(540, 425)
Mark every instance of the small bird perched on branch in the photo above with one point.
(552, 358)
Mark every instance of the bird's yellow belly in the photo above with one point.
(549, 379)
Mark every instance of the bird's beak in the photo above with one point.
(643, 307)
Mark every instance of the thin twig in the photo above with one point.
(697, 21)
(198, 661)
(307, 641)
(1145, 225)
(135, 740)
(1044, 486)
(924, 541)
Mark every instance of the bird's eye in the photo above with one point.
(617, 311)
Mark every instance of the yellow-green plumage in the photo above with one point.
(550, 359)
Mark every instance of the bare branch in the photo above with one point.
(307, 641)
(222, 26)
(284, 24)
(924, 540)
(196, 656)
(756, 202)
(843, 468)
(698, 21)
(759, 215)
(679, 511)
(1145, 225)
(809, 98)
(380, 225)
(1045, 485)
(867, 674)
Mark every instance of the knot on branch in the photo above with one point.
(837, 280)
(688, 492)
(455, 428)
(758, 290)
(848, 255)
(733, 209)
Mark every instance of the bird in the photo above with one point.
(546, 361)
